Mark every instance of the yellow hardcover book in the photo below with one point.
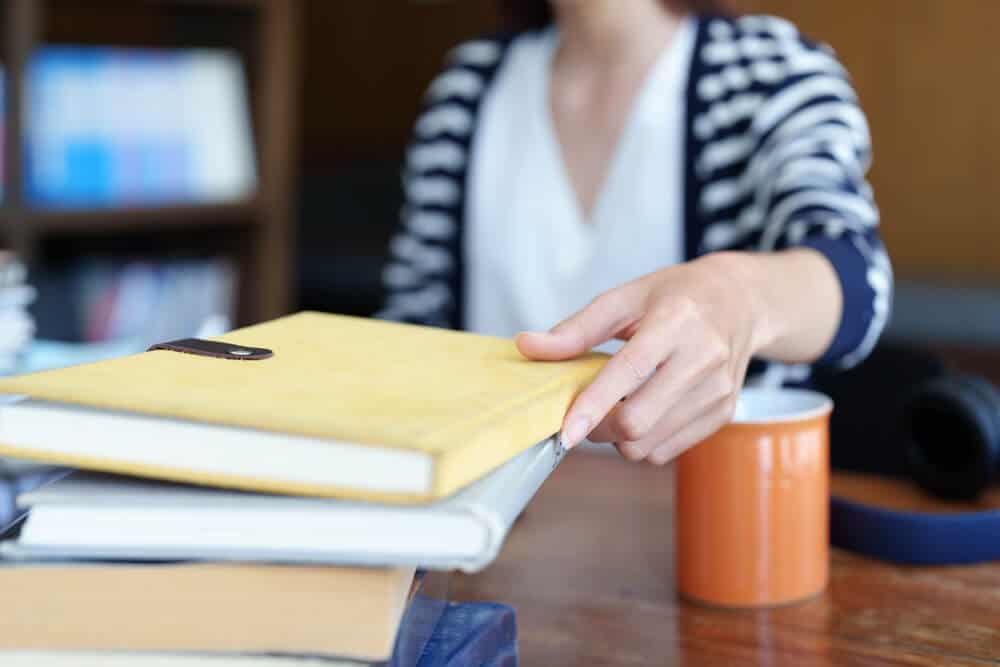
(213, 608)
(345, 407)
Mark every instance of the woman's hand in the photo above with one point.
(691, 331)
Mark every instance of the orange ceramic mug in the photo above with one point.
(753, 504)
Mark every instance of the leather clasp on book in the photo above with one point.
(214, 348)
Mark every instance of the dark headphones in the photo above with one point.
(951, 431)
(904, 414)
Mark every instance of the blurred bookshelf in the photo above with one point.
(251, 224)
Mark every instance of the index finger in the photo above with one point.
(602, 319)
(625, 371)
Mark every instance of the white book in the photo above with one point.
(90, 516)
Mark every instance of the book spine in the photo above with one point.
(497, 499)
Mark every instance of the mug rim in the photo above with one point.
(819, 405)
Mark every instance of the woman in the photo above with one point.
(693, 185)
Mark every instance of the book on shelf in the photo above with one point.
(154, 300)
(346, 407)
(141, 301)
(130, 127)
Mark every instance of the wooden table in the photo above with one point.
(589, 568)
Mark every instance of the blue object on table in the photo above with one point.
(435, 633)
(915, 538)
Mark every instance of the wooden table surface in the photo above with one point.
(589, 568)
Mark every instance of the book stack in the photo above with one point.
(17, 328)
(275, 493)
(17, 331)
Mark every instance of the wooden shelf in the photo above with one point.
(258, 233)
(194, 4)
(102, 220)
(221, 3)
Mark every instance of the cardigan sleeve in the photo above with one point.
(422, 278)
(812, 152)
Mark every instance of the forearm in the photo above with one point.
(796, 300)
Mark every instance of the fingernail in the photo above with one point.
(633, 452)
(575, 431)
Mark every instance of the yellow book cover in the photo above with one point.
(345, 407)
(212, 608)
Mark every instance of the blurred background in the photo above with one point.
(173, 167)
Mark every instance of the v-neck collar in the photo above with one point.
(672, 63)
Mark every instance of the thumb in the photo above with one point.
(601, 320)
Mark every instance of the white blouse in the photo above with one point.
(531, 258)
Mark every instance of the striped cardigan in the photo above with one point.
(776, 152)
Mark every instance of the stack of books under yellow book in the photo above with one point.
(271, 492)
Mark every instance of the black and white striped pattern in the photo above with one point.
(777, 151)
